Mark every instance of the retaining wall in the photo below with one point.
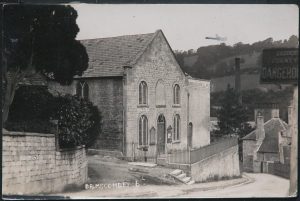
(218, 166)
(31, 164)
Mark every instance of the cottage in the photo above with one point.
(266, 143)
(145, 98)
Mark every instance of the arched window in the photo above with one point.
(176, 94)
(160, 94)
(78, 89)
(143, 93)
(85, 93)
(82, 90)
(176, 127)
(143, 130)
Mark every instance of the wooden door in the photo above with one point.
(161, 134)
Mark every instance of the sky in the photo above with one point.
(186, 25)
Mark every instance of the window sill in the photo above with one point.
(176, 105)
(161, 106)
(143, 105)
(176, 142)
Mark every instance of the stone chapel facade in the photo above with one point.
(144, 97)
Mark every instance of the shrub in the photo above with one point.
(30, 110)
(33, 108)
(31, 103)
(78, 121)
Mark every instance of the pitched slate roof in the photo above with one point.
(270, 142)
(108, 56)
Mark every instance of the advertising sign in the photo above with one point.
(279, 66)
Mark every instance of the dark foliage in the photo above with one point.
(253, 97)
(78, 121)
(43, 37)
(31, 102)
(232, 115)
(33, 108)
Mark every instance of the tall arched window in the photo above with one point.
(176, 127)
(143, 93)
(82, 90)
(78, 89)
(176, 94)
(85, 93)
(160, 94)
(143, 130)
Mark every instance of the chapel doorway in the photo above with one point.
(161, 134)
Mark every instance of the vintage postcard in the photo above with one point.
(149, 100)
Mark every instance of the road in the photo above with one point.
(256, 185)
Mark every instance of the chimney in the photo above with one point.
(290, 115)
(260, 130)
(238, 78)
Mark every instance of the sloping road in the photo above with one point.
(263, 185)
(255, 185)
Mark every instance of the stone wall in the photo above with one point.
(248, 149)
(107, 94)
(199, 111)
(221, 165)
(157, 64)
(31, 164)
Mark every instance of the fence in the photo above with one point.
(180, 156)
(190, 156)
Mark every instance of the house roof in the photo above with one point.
(270, 142)
(35, 79)
(108, 56)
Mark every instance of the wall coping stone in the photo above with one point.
(17, 133)
(71, 149)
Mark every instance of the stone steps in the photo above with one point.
(181, 176)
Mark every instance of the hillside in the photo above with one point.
(216, 63)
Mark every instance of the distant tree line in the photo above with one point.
(209, 56)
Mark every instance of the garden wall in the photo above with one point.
(32, 164)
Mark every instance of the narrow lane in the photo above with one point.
(260, 185)
(265, 185)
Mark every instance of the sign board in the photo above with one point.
(279, 66)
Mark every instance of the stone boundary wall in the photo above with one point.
(281, 170)
(218, 166)
(31, 164)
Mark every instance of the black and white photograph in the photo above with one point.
(138, 101)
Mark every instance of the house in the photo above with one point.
(145, 98)
(265, 143)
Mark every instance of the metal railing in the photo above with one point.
(182, 156)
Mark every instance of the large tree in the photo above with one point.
(39, 39)
(232, 115)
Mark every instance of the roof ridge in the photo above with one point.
(116, 36)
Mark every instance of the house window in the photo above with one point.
(176, 127)
(176, 94)
(143, 130)
(82, 90)
(160, 94)
(143, 90)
